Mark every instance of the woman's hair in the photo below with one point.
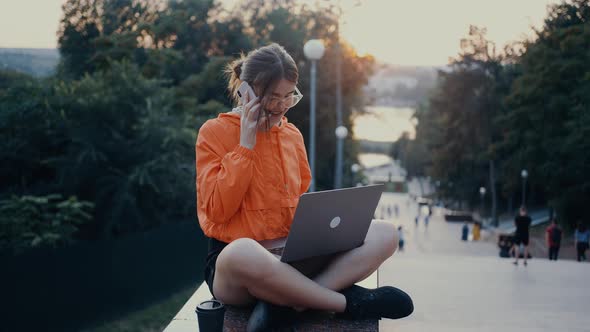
(262, 68)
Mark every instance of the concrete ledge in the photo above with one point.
(236, 318)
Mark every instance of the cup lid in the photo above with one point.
(209, 305)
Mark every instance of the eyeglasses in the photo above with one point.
(286, 102)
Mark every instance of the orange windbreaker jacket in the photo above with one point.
(249, 193)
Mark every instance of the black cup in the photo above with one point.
(210, 314)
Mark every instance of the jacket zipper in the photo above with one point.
(284, 179)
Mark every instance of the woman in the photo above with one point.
(581, 237)
(251, 169)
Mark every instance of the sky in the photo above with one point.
(421, 32)
(404, 32)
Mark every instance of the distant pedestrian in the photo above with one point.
(553, 239)
(416, 221)
(465, 232)
(581, 236)
(401, 238)
(521, 236)
(476, 231)
(396, 210)
(389, 211)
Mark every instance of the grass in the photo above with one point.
(152, 318)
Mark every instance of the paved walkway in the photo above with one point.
(465, 286)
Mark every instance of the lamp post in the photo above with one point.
(437, 191)
(355, 168)
(341, 133)
(339, 128)
(524, 174)
(482, 193)
(313, 50)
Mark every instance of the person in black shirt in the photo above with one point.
(522, 223)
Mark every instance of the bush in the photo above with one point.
(33, 221)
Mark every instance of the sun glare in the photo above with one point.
(428, 33)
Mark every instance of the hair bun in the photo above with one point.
(237, 67)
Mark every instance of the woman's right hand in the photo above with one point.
(249, 124)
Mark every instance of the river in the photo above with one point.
(382, 124)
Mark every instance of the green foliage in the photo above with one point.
(113, 138)
(78, 29)
(93, 33)
(30, 135)
(130, 150)
(547, 127)
(33, 221)
(412, 153)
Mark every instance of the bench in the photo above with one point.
(458, 216)
(236, 318)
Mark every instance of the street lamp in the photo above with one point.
(341, 133)
(355, 168)
(524, 174)
(482, 193)
(313, 50)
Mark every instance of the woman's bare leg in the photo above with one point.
(245, 270)
(516, 250)
(359, 263)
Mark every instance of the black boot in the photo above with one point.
(382, 302)
(267, 316)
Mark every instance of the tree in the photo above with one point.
(78, 29)
(545, 128)
(29, 135)
(129, 151)
(456, 126)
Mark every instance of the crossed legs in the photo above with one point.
(245, 271)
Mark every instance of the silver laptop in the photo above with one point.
(328, 222)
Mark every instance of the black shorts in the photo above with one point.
(215, 248)
(521, 238)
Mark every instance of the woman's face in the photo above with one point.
(276, 104)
